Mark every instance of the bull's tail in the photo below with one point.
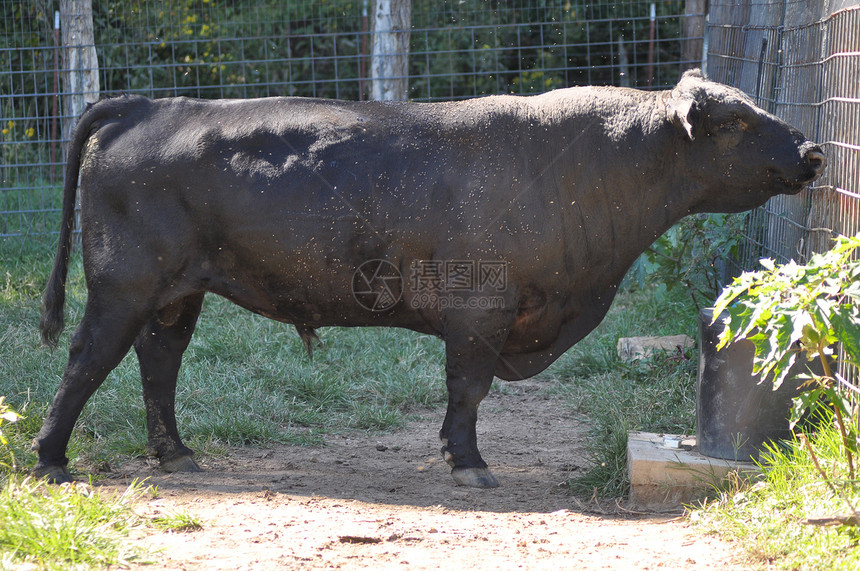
(54, 298)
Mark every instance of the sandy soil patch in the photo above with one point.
(388, 502)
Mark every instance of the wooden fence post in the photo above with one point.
(80, 71)
(693, 34)
(389, 47)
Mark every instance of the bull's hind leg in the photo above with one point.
(471, 353)
(159, 350)
(98, 345)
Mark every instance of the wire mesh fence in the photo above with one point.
(801, 61)
(254, 48)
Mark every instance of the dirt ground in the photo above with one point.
(389, 503)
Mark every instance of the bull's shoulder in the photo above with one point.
(594, 101)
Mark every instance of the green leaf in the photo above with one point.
(809, 340)
(804, 404)
(853, 289)
(840, 400)
(801, 324)
(846, 326)
(767, 263)
(782, 368)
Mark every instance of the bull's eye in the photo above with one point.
(734, 124)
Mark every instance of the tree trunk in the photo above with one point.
(389, 60)
(80, 63)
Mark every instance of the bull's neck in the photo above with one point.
(621, 180)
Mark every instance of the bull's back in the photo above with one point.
(310, 169)
(283, 156)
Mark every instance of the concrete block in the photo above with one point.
(666, 471)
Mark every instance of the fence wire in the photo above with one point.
(257, 48)
(801, 61)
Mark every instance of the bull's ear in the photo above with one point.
(683, 112)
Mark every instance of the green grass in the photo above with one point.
(774, 520)
(31, 211)
(177, 522)
(72, 526)
(67, 527)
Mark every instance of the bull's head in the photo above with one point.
(740, 153)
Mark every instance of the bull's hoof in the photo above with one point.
(184, 463)
(474, 477)
(53, 474)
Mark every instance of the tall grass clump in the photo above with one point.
(656, 393)
(73, 526)
(792, 519)
(662, 294)
(67, 527)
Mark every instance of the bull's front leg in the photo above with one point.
(472, 347)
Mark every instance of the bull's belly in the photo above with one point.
(344, 288)
(330, 302)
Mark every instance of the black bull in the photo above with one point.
(502, 225)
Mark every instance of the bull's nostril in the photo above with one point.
(815, 159)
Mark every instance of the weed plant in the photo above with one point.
(801, 313)
(804, 515)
